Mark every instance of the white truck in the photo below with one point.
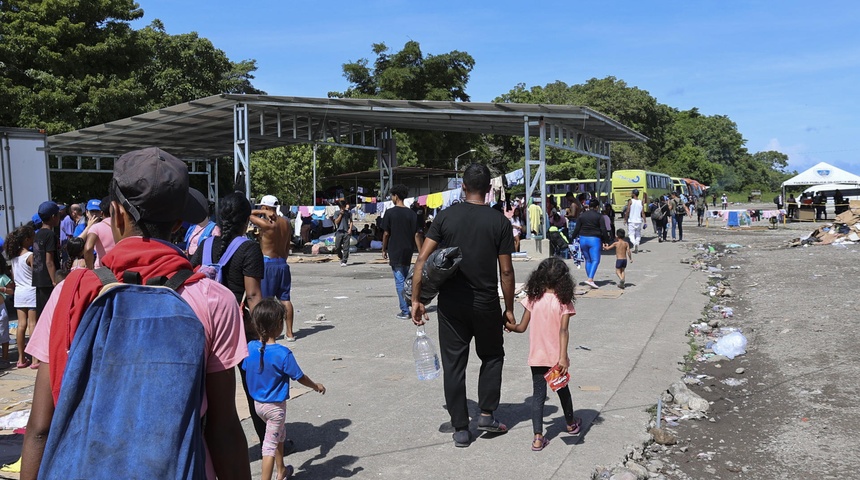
(24, 179)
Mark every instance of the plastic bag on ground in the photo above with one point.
(731, 345)
(439, 267)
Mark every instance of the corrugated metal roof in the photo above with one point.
(203, 128)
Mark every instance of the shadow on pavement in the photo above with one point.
(324, 437)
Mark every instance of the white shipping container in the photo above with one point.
(24, 179)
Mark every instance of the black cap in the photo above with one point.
(153, 185)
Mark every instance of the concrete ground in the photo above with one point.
(378, 421)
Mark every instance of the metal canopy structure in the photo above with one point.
(231, 125)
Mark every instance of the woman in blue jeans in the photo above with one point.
(591, 230)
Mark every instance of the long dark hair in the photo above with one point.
(233, 215)
(15, 240)
(552, 273)
(268, 319)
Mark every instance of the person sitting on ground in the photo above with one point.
(622, 255)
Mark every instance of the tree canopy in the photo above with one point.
(71, 64)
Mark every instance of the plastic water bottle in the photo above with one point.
(426, 358)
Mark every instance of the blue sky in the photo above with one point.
(786, 72)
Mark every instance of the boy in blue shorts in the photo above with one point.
(623, 254)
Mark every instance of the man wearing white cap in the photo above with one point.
(275, 237)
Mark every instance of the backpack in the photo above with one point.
(679, 209)
(658, 213)
(207, 232)
(776, 200)
(214, 270)
(137, 359)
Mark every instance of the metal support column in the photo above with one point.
(387, 160)
(542, 173)
(535, 179)
(241, 146)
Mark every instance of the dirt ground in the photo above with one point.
(796, 413)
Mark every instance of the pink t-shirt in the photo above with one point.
(217, 310)
(105, 242)
(194, 239)
(546, 313)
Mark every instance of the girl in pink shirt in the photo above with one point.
(549, 306)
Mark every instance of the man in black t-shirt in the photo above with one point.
(46, 258)
(400, 225)
(468, 304)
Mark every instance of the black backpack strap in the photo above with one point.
(157, 281)
(178, 279)
(131, 277)
(105, 275)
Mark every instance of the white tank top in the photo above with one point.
(21, 272)
(635, 213)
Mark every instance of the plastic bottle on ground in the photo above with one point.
(426, 358)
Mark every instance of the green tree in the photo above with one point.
(67, 64)
(70, 64)
(409, 74)
(287, 172)
(185, 67)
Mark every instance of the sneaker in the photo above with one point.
(289, 339)
(342, 264)
(621, 284)
(404, 316)
(591, 284)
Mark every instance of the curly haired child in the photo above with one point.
(549, 306)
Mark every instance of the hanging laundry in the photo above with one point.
(435, 200)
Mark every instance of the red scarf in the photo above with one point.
(149, 257)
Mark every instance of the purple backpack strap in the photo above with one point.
(231, 249)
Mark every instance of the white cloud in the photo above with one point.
(798, 159)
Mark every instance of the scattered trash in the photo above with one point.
(15, 420)
(731, 345)
(381, 355)
(335, 359)
(685, 398)
(734, 245)
(734, 382)
(582, 347)
(340, 298)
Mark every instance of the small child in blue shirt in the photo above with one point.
(269, 368)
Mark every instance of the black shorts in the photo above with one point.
(620, 263)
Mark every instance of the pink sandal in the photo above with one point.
(543, 443)
(574, 428)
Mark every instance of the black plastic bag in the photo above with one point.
(439, 267)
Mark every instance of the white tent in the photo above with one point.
(821, 174)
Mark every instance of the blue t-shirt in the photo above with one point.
(272, 385)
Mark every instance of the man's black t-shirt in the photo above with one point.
(482, 233)
(401, 224)
(246, 262)
(45, 241)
